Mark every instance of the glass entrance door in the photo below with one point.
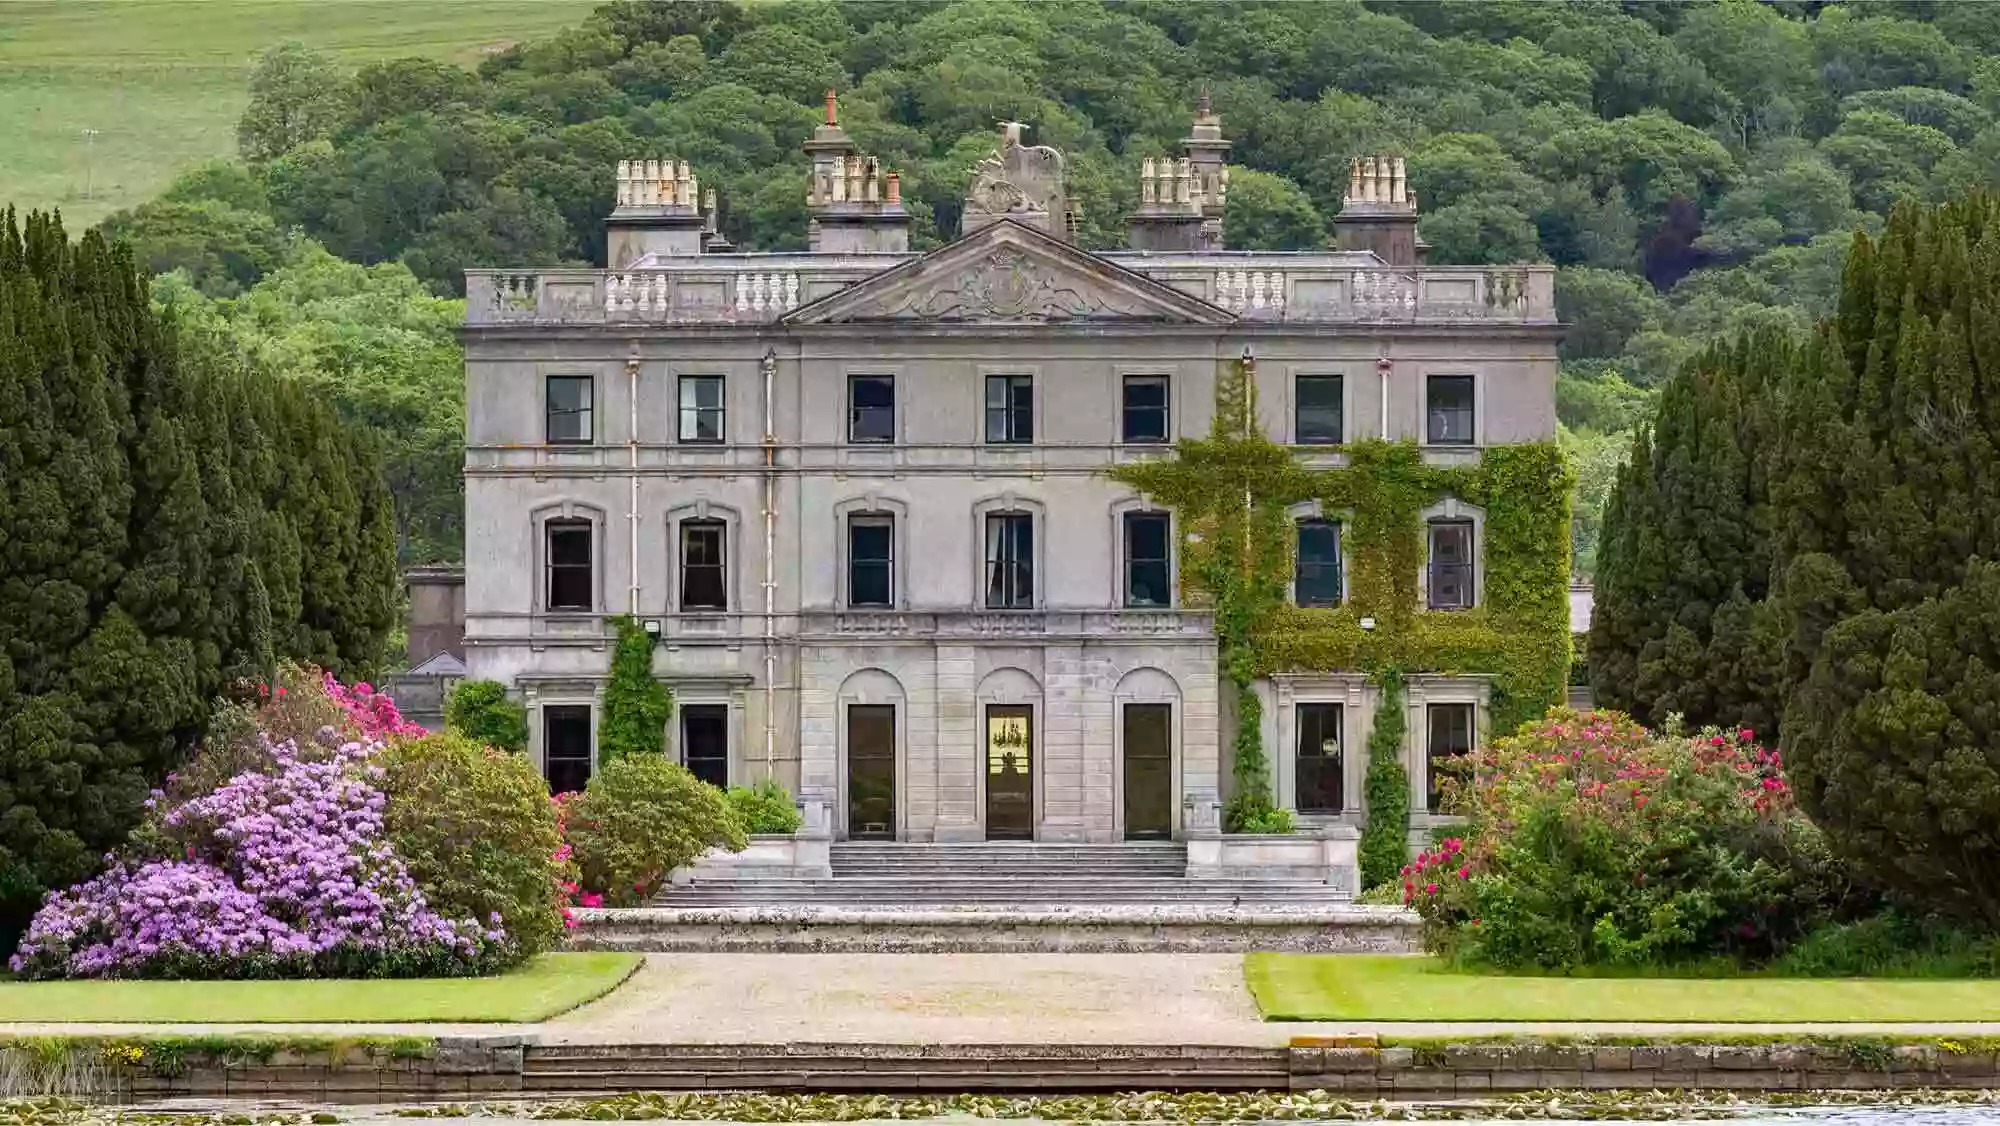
(1010, 774)
(1149, 772)
(871, 772)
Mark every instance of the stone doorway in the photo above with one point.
(1149, 771)
(871, 772)
(1010, 773)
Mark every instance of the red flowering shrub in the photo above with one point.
(1592, 841)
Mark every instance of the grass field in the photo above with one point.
(163, 81)
(551, 984)
(1351, 987)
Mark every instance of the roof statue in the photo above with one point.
(1019, 182)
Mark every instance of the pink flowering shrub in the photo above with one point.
(1592, 841)
(282, 872)
(373, 713)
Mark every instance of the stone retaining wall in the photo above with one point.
(461, 1068)
(1343, 930)
(1342, 1064)
(453, 1068)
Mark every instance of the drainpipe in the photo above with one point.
(632, 458)
(770, 565)
(1382, 367)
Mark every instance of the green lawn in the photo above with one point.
(1367, 987)
(551, 984)
(162, 81)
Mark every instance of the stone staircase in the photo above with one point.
(1001, 875)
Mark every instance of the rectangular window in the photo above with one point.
(1316, 418)
(1450, 741)
(1450, 579)
(569, 399)
(871, 408)
(1146, 417)
(1010, 408)
(703, 575)
(1316, 581)
(705, 742)
(871, 562)
(701, 408)
(1318, 772)
(570, 570)
(1010, 561)
(566, 747)
(1147, 535)
(1448, 405)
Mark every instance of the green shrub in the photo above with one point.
(1382, 895)
(1892, 944)
(482, 711)
(1594, 842)
(478, 832)
(765, 808)
(636, 706)
(640, 818)
(1385, 843)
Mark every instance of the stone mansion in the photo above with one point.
(858, 492)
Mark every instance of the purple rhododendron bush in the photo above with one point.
(1591, 841)
(288, 857)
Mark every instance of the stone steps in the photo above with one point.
(1085, 890)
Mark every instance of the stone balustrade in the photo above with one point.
(752, 289)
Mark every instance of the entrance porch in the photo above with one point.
(1073, 742)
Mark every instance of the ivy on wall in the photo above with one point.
(1231, 491)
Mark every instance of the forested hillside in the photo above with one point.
(1691, 169)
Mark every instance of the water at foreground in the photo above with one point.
(1912, 1108)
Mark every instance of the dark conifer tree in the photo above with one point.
(151, 498)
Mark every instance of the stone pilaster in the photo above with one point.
(956, 749)
(1067, 730)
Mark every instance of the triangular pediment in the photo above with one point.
(1007, 273)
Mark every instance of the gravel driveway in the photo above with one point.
(930, 998)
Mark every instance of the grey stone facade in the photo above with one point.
(776, 480)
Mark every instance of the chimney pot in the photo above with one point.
(894, 184)
(832, 111)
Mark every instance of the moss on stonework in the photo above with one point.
(1232, 491)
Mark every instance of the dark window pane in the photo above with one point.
(1146, 416)
(705, 742)
(1318, 417)
(1450, 741)
(701, 408)
(569, 565)
(1146, 559)
(702, 570)
(870, 565)
(566, 747)
(1316, 582)
(569, 402)
(1319, 776)
(1010, 561)
(1010, 408)
(1450, 565)
(1449, 403)
(871, 408)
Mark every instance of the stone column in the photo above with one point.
(957, 745)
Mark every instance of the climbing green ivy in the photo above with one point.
(1232, 490)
